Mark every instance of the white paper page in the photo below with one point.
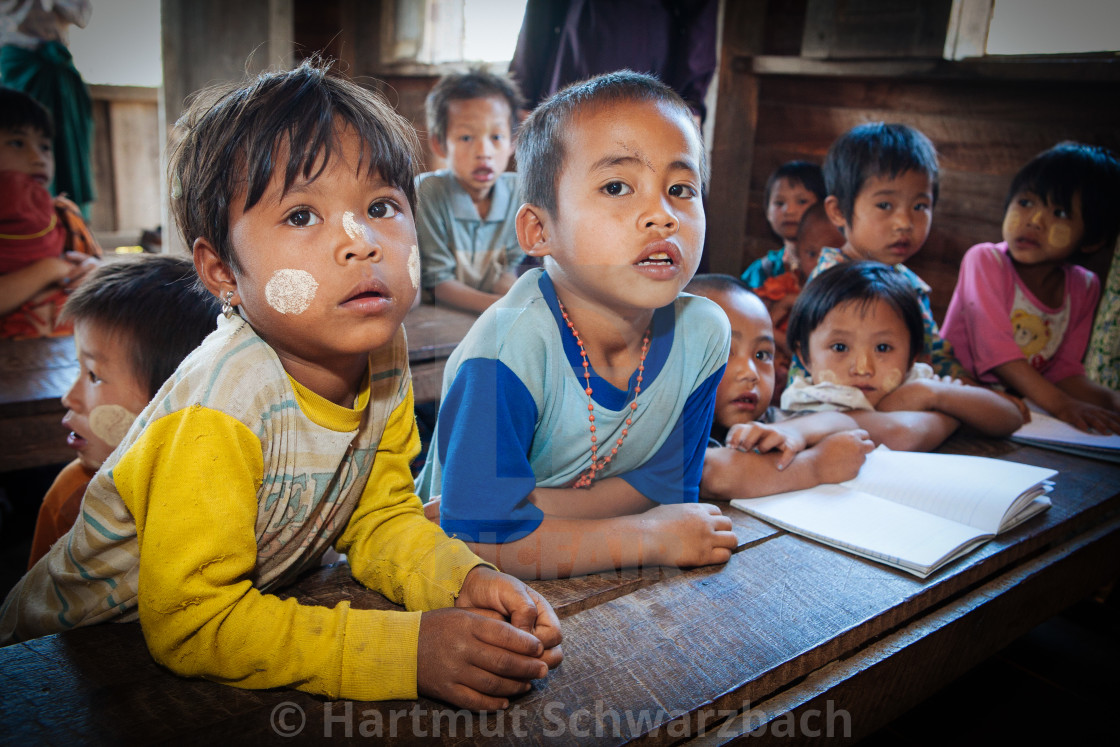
(976, 491)
(863, 522)
(1045, 428)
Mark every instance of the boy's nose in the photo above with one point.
(1035, 217)
(359, 242)
(863, 366)
(72, 399)
(660, 217)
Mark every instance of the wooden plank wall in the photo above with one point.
(984, 130)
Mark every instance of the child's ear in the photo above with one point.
(533, 231)
(214, 273)
(835, 215)
(437, 146)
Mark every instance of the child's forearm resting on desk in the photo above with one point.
(730, 473)
(988, 412)
(905, 430)
(676, 535)
(1078, 401)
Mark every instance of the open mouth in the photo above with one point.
(657, 259)
(369, 290)
(746, 400)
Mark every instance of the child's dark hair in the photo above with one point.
(876, 149)
(18, 110)
(233, 138)
(854, 282)
(155, 303)
(706, 284)
(1069, 169)
(815, 213)
(542, 146)
(476, 83)
(808, 175)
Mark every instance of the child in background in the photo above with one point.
(288, 431)
(858, 328)
(1022, 311)
(575, 413)
(46, 249)
(815, 232)
(465, 218)
(761, 458)
(882, 186)
(134, 321)
(792, 189)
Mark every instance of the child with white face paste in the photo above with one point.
(1022, 310)
(858, 328)
(289, 432)
(134, 322)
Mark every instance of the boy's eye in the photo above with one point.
(302, 217)
(383, 209)
(93, 378)
(838, 347)
(1024, 202)
(682, 190)
(884, 347)
(465, 138)
(15, 142)
(922, 207)
(778, 203)
(883, 205)
(617, 189)
(1061, 213)
(764, 355)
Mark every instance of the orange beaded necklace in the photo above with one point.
(598, 465)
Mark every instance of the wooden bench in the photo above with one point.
(789, 637)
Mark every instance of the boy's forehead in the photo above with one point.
(624, 129)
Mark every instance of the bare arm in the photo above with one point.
(18, 287)
(986, 411)
(819, 425)
(678, 535)
(462, 296)
(906, 431)
(1058, 400)
(605, 499)
(730, 473)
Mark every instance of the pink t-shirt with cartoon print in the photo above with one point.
(994, 318)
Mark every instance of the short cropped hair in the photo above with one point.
(876, 149)
(1069, 169)
(155, 304)
(706, 284)
(815, 214)
(18, 110)
(476, 83)
(854, 282)
(542, 147)
(808, 175)
(233, 135)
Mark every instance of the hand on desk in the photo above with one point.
(683, 535)
(470, 657)
(763, 438)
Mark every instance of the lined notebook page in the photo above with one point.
(969, 490)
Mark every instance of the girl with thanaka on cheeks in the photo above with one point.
(754, 449)
(289, 432)
(1022, 311)
(858, 328)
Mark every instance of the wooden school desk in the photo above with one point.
(788, 632)
(35, 374)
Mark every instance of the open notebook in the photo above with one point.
(1050, 433)
(913, 511)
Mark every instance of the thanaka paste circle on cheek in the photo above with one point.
(110, 423)
(1060, 236)
(825, 377)
(892, 380)
(290, 291)
(414, 266)
(1010, 224)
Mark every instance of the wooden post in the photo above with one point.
(736, 115)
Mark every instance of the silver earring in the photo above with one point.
(227, 304)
